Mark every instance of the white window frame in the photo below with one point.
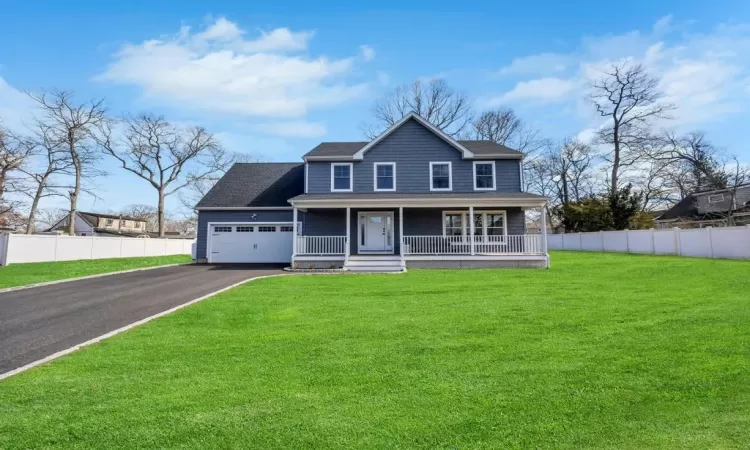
(351, 177)
(450, 176)
(716, 195)
(375, 176)
(465, 224)
(494, 176)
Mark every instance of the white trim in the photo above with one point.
(475, 258)
(328, 158)
(494, 176)
(520, 174)
(465, 216)
(450, 176)
(351, 177)
(465, 152)
(360, 250)
(306, 177)
(320, 258)
(375, 176)
(244, 208)
(210, 224)
(498, 156)
(420, 203)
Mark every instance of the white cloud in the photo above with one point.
(294, 129)
(16, 107)
(704, 74)
(368, 53)
(543, 90)
(219, 70)
(383, 78)
(543, 63)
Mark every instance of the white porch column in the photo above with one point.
(471, 227)
(294, 233)
(348, 244)
(401, 230)
(543, 225)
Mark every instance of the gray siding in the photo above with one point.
(412, 147)
(204, 217)
(417, 222)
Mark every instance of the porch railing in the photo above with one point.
(321, 245)
(523, 244)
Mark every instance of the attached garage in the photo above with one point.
(250, 242)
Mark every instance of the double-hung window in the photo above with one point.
(484, 176)
(385, 176)
(441, 178)
(489, 226)
(342, 177)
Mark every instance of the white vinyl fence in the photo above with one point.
(22, 248)
(728, 242)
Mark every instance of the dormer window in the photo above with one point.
(341, 177)
(441, 178)
(385, 176)
(484, 176)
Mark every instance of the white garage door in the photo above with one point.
(250, 243)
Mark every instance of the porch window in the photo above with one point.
(484, 176)
(715, 198)
(453, 223)
(486, 225)
(385, 176)
(341, 177)
(440, 176)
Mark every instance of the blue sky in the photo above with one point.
(275, 78)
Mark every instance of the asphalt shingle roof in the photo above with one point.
(346, 149)
(256, 184)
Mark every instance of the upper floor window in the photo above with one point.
(440, 176)
(341, 177)
(385, 176)
(123, 223)
(109, 222)
(715, 198)
(484, 176)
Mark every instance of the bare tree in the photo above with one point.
(695, 163)
(52, 159)
(216, 163)
(72, 125)
(161, 153)
(736, 176)
(503, 126)
(630, 100)
(441, 105)
(572, 168)
(14, 151)
(47, 218)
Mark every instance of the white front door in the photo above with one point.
(376, 232)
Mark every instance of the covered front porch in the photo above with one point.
(417, 234)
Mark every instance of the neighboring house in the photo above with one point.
(403, 199)
(710, 208)
(94, 224)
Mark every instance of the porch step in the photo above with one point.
(368, 263)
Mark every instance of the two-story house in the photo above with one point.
(411, 197)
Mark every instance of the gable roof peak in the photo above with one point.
(465, 152)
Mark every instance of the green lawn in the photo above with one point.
(601, 351)
(32, 273)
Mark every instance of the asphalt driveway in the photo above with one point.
(38, 322)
